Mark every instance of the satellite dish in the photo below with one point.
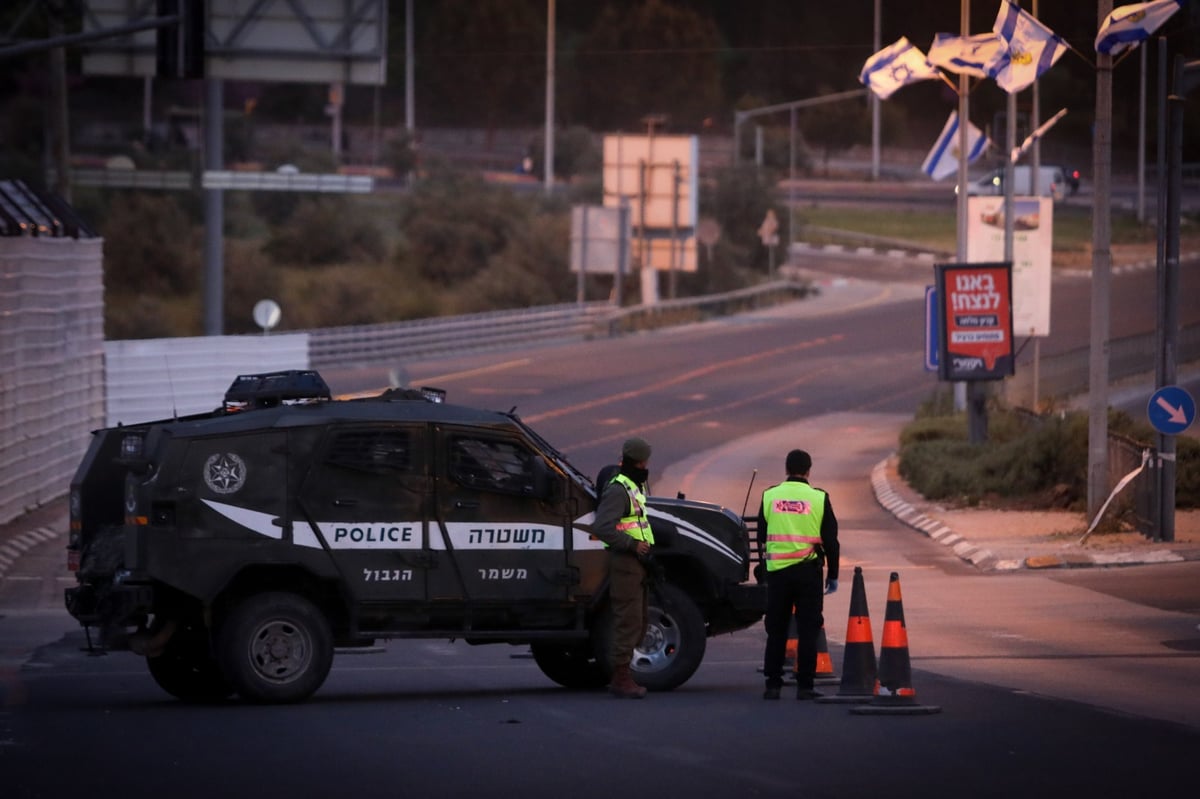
(266, 314)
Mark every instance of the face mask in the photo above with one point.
(639, 476)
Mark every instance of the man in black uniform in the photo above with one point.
(797, 532)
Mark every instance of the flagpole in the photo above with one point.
(975, 429)
(875, 104)
(1035, 122)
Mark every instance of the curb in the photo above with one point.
(800, 247)
(886, 496)
(986, 560)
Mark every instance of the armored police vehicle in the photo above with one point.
(237, 549)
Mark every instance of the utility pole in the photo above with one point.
(1097, 471)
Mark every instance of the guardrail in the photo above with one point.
(389, 343)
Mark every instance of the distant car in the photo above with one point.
(1072, 177)
(1052, 182)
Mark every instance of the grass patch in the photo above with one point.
(937, 229)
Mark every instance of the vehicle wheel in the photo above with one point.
(187, 669)
(674, 644)
(276, 648)
(572, 665)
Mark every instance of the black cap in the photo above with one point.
(798, 462)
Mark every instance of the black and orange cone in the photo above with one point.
(858, 657)
(824, 671)
(894, 692)
(789, 654)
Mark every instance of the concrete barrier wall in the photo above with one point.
(51, 364)
(165, 377)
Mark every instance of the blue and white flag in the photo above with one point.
(1129, 26)
(943, 159)
(978, 56)
(1032, 48)
(896, 65)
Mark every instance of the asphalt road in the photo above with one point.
(1045, 683)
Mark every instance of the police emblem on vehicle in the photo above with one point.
(225, 473)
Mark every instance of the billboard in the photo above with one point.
(975, 321)
(658, 176)
(1033, 237)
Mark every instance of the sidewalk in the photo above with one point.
(1002, 540)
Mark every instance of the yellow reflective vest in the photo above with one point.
(793, 511)
(634, 523)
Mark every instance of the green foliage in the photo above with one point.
(325, 230)
(739, 199)
(249, 277)
(531, 270)
(400, 154)
(575, 153)
(1027, 461)
(150, 246)
(645, 58)
(454, 223)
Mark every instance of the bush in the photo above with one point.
(1028, 461)
(149, 245)
(325, 230)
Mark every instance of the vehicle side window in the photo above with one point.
(491, 465)
(375, 451)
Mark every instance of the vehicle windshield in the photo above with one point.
(559, 459)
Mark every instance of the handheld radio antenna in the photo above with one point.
(746, 504)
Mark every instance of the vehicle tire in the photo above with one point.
(275, 648)
(674, 643)
(187, 669)
(571, 665)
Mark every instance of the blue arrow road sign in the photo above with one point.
(1171, 410)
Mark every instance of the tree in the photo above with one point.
(655, 57)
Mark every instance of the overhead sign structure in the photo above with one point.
(298, 41)
(1171, 410)
(1033, 238)
(975, 321)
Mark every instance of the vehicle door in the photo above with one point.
(365, 501)
(502, 519)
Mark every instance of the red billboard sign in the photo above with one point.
(975, 320)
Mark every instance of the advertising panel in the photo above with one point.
(975, 318)
(1033, 236)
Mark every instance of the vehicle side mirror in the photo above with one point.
(545, 485)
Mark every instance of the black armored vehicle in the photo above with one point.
(237, 549)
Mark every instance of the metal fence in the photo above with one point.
(393, 343)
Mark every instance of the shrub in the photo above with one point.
(1028, 461)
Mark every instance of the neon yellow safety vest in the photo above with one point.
(634, 523)
(793, 512)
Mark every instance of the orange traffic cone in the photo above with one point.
(893, 687)
(824, 672)
(858, 657)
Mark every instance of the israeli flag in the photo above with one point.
(978, 56)
(1032, 48)
(943, 159)
(896, 65)
(1129, 26)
